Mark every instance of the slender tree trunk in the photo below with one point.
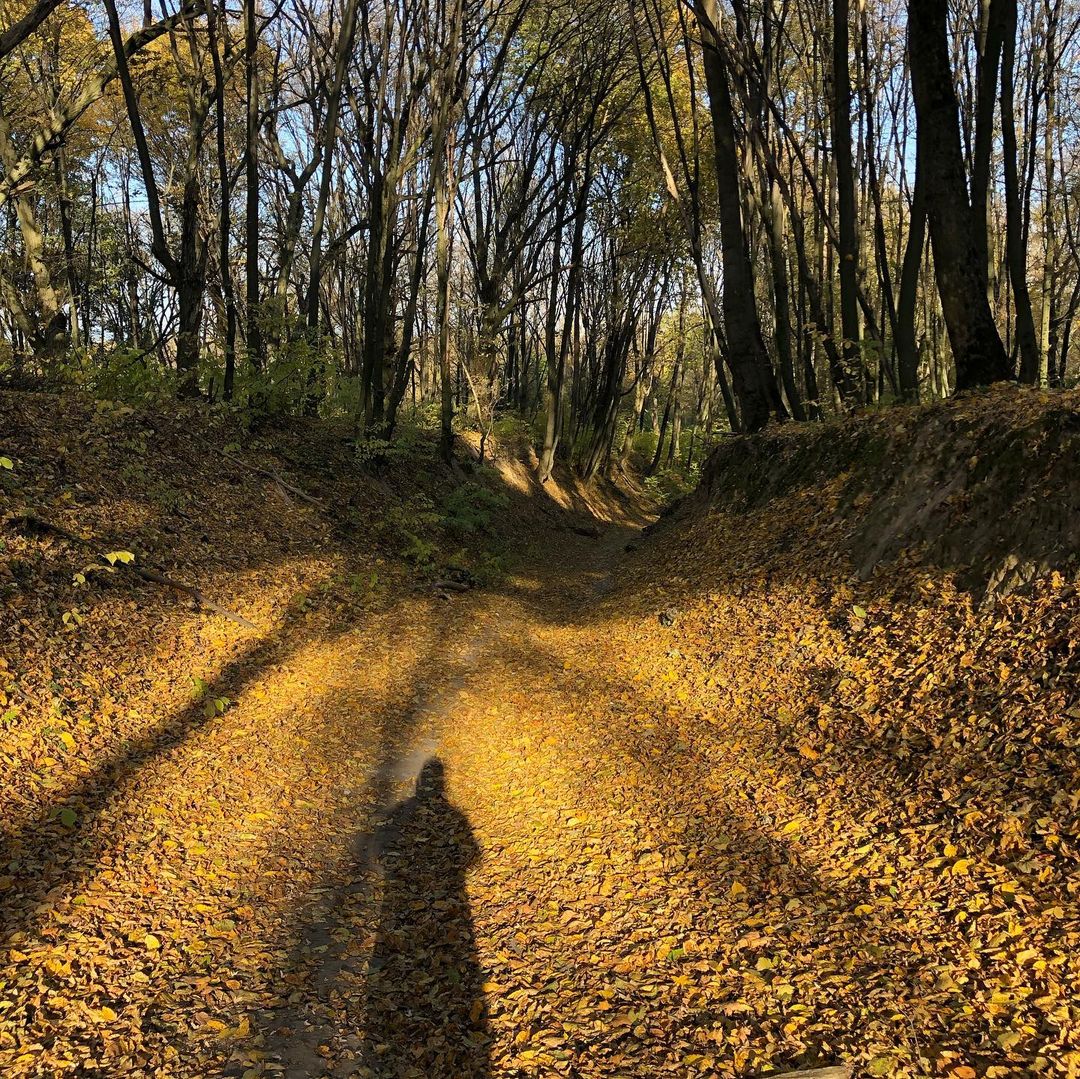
(256, 348)
(187, 271)
(665, 419)
(977, 350)
(676, 421)
(225, 214)
(443, 204)
(1049, 229)
(555, 355)
(989, 59)
(190, 285)
(848, 252)
(775, 226)
(1015, 242)
(881, 247)
(557, 378)
(73, 286)
(405, 364)
(342, 57)
(377, 298)
(755, 386)
(907, 348)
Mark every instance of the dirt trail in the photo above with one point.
(467, 729)
(514, 833)
(376, 836)
(396, 853)
(712, 806)
(467, 838)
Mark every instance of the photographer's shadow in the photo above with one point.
(425, 1009)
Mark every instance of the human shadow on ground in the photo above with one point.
(425, 1012)
(389, 929)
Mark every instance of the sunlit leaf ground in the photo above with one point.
(538, 829)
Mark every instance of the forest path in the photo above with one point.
(455, 838)
(474, 778)
(712, 807)
(413, 845)
(595, 844)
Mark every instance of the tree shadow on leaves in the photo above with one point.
(63, 844)
(425, 1012)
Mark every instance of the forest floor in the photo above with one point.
(698, 803)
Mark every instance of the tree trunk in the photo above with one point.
(1015, 243)
(848, 252)
(754, 384)
(256, 348)
(907, 348)
(15, 35)
(408, 323)
(444, 199)
(989, 59)
(659, 452)
(190, 285)
(342, 57)
(224, 215)
(554, 388)
(977, 350)
(773, 213)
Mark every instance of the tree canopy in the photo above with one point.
(462, 208)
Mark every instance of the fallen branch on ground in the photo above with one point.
(589, 531)
(27, 521)
(840, 1072)
(452, 586)
(269, 473)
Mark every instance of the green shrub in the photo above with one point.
(513, 433)
(129, 375)
(469, 508)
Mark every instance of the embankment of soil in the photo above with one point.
(872, 629)
(985, 486)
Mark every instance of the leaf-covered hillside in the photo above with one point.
(498, 786)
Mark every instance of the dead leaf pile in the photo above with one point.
(807, 817)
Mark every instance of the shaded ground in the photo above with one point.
(539, 829)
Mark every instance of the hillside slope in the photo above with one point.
(984, 488)
(790, 780)
(875, 641)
